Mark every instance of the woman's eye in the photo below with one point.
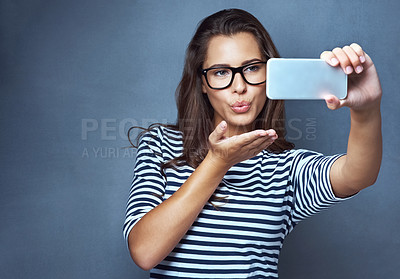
(221, 73)
(252, 68)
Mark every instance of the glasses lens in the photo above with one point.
(255, 73)
(219, 77)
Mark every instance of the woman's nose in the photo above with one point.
(239, 85)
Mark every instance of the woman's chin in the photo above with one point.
(240, 126)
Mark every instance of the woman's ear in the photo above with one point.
(203, 88)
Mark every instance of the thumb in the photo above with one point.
(333, 102)
(218, 133)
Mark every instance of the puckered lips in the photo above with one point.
(241, 106)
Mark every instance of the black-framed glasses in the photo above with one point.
(222, 77)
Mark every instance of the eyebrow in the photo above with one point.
(243, 63)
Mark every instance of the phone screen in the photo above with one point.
(304, 79)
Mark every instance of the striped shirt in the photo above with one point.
(240, 236)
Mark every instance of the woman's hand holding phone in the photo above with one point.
(364, 89)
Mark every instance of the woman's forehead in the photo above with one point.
(232, 50)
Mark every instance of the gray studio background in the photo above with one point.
(75, 75)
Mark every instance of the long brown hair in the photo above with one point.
(195, 113)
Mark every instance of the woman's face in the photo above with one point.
(240, 103)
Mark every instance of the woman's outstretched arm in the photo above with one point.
(155, 235)
(360, 167)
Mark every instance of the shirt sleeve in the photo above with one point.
(148, 184)
(312, 189)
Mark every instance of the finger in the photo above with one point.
(267, 143)
(333, 102)
(344, 60)
(253, 139)
(354, 59)
(266, 134)
(360, 52)
(262, 142)
(257, 146)
(330, 58)
(218, 132)
(249, 137)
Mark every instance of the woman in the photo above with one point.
(215, 195)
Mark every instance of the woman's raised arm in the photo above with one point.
(360, 167)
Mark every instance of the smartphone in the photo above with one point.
(298, 79)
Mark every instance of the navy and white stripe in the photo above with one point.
(264, 198)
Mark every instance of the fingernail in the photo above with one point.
(362, 58)
(349, 70)
(223, 125)
(359, 69)
(334, 61)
